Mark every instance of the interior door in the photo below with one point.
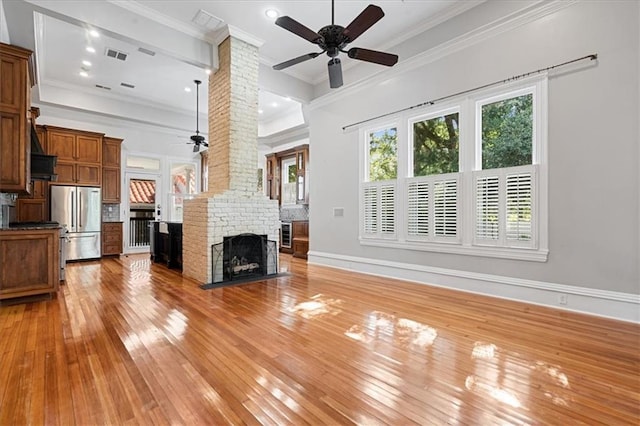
(143, 206)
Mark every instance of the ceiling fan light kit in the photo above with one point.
(198, 139)
(332, 39)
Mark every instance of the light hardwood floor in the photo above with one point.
(128, 342)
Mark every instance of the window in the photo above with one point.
(379, 193)
(440, 186)
(289, 178)
(435, 145)
(507, 132)
(383, 154)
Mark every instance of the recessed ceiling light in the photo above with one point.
(84, 74)
(274, 104)
(208, 71)
(187, 89)
(91, 49)
(260, 111)
(86, 63)
(271, 13)
(94, 33)
(287, 98)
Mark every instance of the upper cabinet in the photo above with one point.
(79, 155)
(288, 176)
(111, 148)
(15, 130)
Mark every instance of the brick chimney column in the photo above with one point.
(233, 118)
(233, 205)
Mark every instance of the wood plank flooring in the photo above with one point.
(129, 342)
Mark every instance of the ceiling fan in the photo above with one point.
(332, 39)
(197, 139)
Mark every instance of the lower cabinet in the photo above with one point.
(300, 243)
(111, 238)
(37, 254)
(167, 244)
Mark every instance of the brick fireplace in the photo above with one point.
(233, 205)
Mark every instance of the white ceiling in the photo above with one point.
(60, 33)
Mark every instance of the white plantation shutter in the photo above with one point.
(378, 210)
(518, 206)
(370, 210)
(487, 207)
(445, 208)
(388, 209)
(418, 208)
(504, 206)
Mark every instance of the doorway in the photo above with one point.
(143, 207)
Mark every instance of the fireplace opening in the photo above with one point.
(243, 257)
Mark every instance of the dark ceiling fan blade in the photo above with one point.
(297, 28)
(335, 73)
(369, 16)
(374, 56)
(290, 62)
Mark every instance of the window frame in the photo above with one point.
(469, 162)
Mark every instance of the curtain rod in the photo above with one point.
(592, 57)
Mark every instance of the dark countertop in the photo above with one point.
(30, 226)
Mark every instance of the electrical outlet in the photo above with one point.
(563, 299)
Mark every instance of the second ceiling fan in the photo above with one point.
(332, 39)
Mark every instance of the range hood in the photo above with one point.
(42, 165)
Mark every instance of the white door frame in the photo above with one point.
(155, 176)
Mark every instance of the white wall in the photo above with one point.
(593, 144)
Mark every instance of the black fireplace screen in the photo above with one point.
(243, 256)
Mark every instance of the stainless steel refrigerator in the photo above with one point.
(78, 208)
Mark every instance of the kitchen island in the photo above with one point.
(29, 261)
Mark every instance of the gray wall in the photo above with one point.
(593, 144)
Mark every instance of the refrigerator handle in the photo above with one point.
(80, 210)
(73, 209)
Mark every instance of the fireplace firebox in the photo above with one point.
(243, 257)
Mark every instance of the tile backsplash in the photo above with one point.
(294, 212)
(111, 212)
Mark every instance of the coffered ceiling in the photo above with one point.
(161, 47)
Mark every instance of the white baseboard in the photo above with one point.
(604, 303)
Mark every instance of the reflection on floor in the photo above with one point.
(128, 341)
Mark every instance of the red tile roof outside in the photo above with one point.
(142, 192)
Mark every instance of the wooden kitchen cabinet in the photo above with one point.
(37, 253)
(111, 148)
(79, 155)
(300, 155)
(111, 238)
(15, 124)
(300, 243)
(33, 207)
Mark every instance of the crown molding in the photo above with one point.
(492, 29)
(235, 32)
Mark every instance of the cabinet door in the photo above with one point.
(29, 210)
(39, 189)
(88, 174)
(111, 152)
(66, 172)
(110, 185)
(37, 254)
(13, 156)
(89, 149)
(61, 144)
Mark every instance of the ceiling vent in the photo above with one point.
(207, 20)
(100, 86)
(130, 86)
(146, 51)
(112, 53)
